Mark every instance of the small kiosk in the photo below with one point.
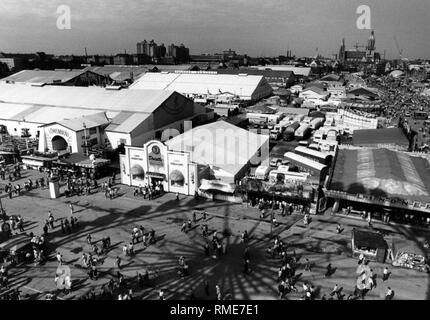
(371, 244)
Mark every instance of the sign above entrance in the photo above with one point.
(156, 155)
(59, 131)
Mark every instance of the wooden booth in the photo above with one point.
(371, 244)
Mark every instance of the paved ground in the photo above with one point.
(99, 216)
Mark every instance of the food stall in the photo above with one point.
(77, 162)
(407, 255)
(371, 244)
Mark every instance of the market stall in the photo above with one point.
(76, 162)
(411, 256)
(371, 244)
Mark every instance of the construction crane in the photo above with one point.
(398, 49)
(403, 61)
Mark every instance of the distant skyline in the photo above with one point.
(254, 27)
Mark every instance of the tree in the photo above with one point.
(4, 70)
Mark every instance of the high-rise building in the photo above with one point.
(161, 51)
(155, 52)
(152, 46)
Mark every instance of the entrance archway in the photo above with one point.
(59, 143)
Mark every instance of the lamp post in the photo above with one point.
(85, 137)
(2, 211)
(271, 216)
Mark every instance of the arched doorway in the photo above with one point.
(59, 143)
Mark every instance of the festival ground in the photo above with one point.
(319, 242)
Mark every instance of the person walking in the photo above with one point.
(385, 274)
(281, 289)
(161, 295)
(51, 220)
(307, 265)
(329, 271)
(390, 294)
(89, 239)
(177, 196)
(118, 262)
(71, 209)
(218, 292)
(335, 290)
(20, 224)
(207, 250)
(361, 258)
(62, 226)
(45, 229)
(184, 227)
(369, 220)
(59, 258)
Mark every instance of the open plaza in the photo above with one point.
(318, 244)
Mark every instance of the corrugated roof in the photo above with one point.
(129, 124)
(306, 161)
(196, 83)
(258, 72)
(302, 71)
(89, 121)
(144, 101)
(118, 73)
(44, 76)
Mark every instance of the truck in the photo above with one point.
(282, 125)
(290, 130)
(316, 123)
(275, 135)
(303, 132)
(299, 117)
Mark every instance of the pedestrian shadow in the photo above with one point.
(78, 283)
(331, 272)
(193, 228)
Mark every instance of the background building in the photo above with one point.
(135, 116)
(206, 84)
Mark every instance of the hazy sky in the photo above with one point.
(256, 27)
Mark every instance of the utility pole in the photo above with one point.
(85, 136)
(271, 216)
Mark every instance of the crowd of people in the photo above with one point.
(149, 190)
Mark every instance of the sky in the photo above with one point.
(254, 27)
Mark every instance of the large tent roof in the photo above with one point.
(44, 76)
(379, 136)
(202, 83)
(95, 98)
(219, 144)
(382, 173)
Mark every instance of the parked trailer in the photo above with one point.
(303, 132)
(299, 117)
(290, 130)
(316, 123)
